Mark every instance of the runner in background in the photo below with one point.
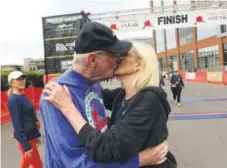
(161, 80)
(176, 87)
(24, 120)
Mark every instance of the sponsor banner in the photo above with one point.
(66, 64)
(54, 65)
(60, 30)
(55, 20)
(49, 77)
(210, 17)
(60, 26)
(59, 48)
(216, 15)
(166, 20)
(214, 76)
(190, 75)
(59, 33)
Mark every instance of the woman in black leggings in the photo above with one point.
(176, 87)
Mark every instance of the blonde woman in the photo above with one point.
(139, 111)
(24, 120)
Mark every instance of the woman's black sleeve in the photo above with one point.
(126, 138)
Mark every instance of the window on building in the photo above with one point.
(187, 60)
(208, 57)
(225, 54)
(161, 64)
(206, 32)
(172, 63)
(170, 38)
(223, 28)
(160, 41)
(185, 35)
(146, 41)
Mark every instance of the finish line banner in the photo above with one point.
(59, 33)
(166, 20)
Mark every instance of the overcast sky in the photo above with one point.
(21, 28)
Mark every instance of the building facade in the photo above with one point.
(208, 53)
(34, 64)
(192, 48)
(11, 68)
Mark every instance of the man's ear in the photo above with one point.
(91, 60)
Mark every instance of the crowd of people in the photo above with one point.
(73, 108)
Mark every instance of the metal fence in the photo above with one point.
(169, 8)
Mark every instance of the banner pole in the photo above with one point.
(44, 49)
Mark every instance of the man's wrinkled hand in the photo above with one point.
(155, 155)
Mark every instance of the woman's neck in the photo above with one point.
(127, 84)
(17, 91)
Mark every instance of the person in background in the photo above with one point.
(24, 120)
(176, 87)
(30, 84)
(3, 87)
(161, 81)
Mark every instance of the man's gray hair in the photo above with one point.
(79, 59)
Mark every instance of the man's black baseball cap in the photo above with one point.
(95, 36)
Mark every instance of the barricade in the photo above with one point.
(215, 77)
(206, 77)
(183, 75)
(49, 77)
(190, 76)
(33, 94)
(224, 78)
(201, 77)
(5, 117)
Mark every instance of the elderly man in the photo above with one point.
(97, 52)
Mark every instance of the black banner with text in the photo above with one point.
(59, 33)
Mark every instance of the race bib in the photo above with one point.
(173, 85)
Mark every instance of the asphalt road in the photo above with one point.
(197, 142)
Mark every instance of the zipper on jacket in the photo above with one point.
(113, 107)
(129, 105)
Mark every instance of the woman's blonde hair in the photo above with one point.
(148, 75)
(10, 91)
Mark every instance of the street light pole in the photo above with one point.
(165, 40)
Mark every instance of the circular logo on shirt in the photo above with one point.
(93, 102)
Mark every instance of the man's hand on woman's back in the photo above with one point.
(155, 155)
